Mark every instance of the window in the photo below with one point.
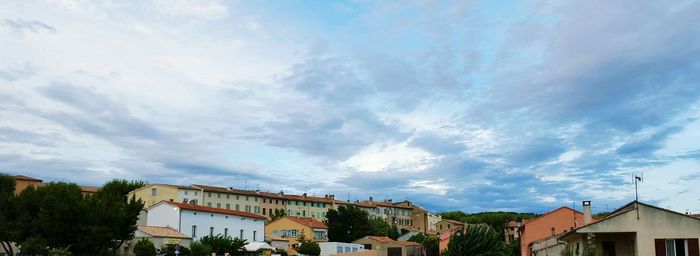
(303, 213)
(254, 235)
(237, 197)
(228, 196)
(274, 232)
(241, 236)
(256, 199)
(318, 235)
(194, 230)
(554, 231)
(264, 211)
(185, 192)
(676, 247)
(211, 231)
(195, 193)
(218, 195)
(218, 205)
(209, 194)
(225, 231)
(238, 207)
(153, 192)
(228, 206)
(209, 204)
(277, 201)
(247, 198)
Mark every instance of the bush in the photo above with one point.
(309, 248)
(144, 248)
(34, 246)
(224, 244)
(200, 249)
(169, 250)
(60, 252)
(475, 240)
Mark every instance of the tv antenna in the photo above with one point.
(637, 179)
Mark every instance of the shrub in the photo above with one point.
(169, 250)
(144, 248)
(60, 252)
(223, 244)
(309, 248)
(475, 240)
(199, 249)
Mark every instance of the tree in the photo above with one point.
(308, 247)
(281, 252)
(34, 245)
(7, 213)
(513, 248)
(144, 248)
(496, 220)
(60, 252)
(347, 224)
(394, 233)
(169, 250)
(115, 215)
(224, 244)
(278, 213)
(478, 240)
(431, 243)
(199, 249)
(379, 227)
(567, 251)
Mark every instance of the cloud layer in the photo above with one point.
(468, 105)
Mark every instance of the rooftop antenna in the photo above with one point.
(637, 179)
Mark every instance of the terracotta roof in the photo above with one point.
(161, 232)
(366, 205)
(695, 216)
(309, 222)
(309, 199)
(215, 210)
(408, 243)
(207, 188)
(89, 189)
(22, 177)
(343, 202)
(382, 239)
(385, 204)
(550, 212)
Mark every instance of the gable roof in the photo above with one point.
(408, 243)
(309, 222)
(161, 232)
(550, 212)
(382, 239)
(26, 178)
(211, 209)
(307, 198)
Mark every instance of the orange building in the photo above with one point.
(550, 224)
(22, 182)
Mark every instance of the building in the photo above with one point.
(198, 221)
(445, 237)
(159, 236)
(272, 202)
(448, 225)
(547, 246)
(419, 217)
(395, 215)
(292, 228)
(433, 219)
(308, 206)
(371, 210)
(152, 194)
(556, 222)
(331, 248)
(638, 229)
(22, 182)
(511, 230)
(231, 199)
(388, 247)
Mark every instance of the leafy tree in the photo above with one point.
(513, 248)
(496, 220)
(278, 213)
(567, 251)
(115, 215)
(431, 243)
(379, 227)
(7, 213)
(478, 240)
(60, 252)
(394, 233)
(144, 248)
(347, 224)
(308, 247)
(199, 249)
(224, 244)
(34, 245)
(169, 250)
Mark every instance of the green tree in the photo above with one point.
(567, 251)
(513, 248)
(308, 247)
(169, 250)
(7, 213)
(278, 213)
(60, 252)
(496, 220)
(114, 216)
(144, 248)
(224, 244)
(200, 249)
(431, 243)
(281, 252)
(347, 224)
(477, 240)
(394, 233)
(379, 227)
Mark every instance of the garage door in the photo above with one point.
(393, 251)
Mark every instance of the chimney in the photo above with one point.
(370, 199)
(389, 200)
(304, 194)
(332, 197)
(586, 212)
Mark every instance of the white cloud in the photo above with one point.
(381, 157)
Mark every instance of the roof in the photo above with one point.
(161, 232)
(631, 206)
(448, 234)
(309, 222)
(256, 246)
(550, 212)
(224, 190)
(408, 243)
(89, 189)
(27, 178)
(382, 239)
(309, 198)
(213, 210)
(386, 204)
(695, 216)
(452, 221)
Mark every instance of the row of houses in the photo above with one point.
(403, 215)
(634, 229)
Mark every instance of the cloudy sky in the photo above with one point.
(465, 105)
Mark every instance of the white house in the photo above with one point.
(198, 221)
(329, 248)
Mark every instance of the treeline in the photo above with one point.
(496, 220)
(58, 218)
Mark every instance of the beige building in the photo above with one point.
(291, 228)
(638, 229)
(272, 202)
(159, 236)
(154, 193)
(511, 231)
(231, 199)
(308, 206)
(394, 214)
(446, 225)
(388, 247)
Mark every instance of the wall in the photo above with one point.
(287, 224)
(245, 202)
(561, 219)
(548, 247)
(270, 204)
(205, 220)
(300, 208)
(163, 193)
(164, 215)
(329, 248)
(23, 184)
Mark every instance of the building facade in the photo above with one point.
(231, 199)
(556, 222)
(159, 236)
(292, 228)
(198, 221)
(308, 206)
(388, 247)
(511, 231)
(152, 194)
(446, 225)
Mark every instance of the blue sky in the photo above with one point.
(464, 105)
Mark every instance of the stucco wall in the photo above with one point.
(253, 229)
(163, 193)
(219, 200)
(561, 220)
(164, 215)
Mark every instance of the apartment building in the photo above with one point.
(154, 193)
(231, 199)
(272, 202)
(396, 215)
(308, 206)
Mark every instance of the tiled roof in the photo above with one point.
(207, 188)
(22, 177)
(408, 243)
(363, 204)
(309, 199)
(215, 210)
(161, 232)
(309, 222)
(89, 189)
(695, 216)
(385, 204)
(382, 239)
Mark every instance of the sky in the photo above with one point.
(455, 105)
